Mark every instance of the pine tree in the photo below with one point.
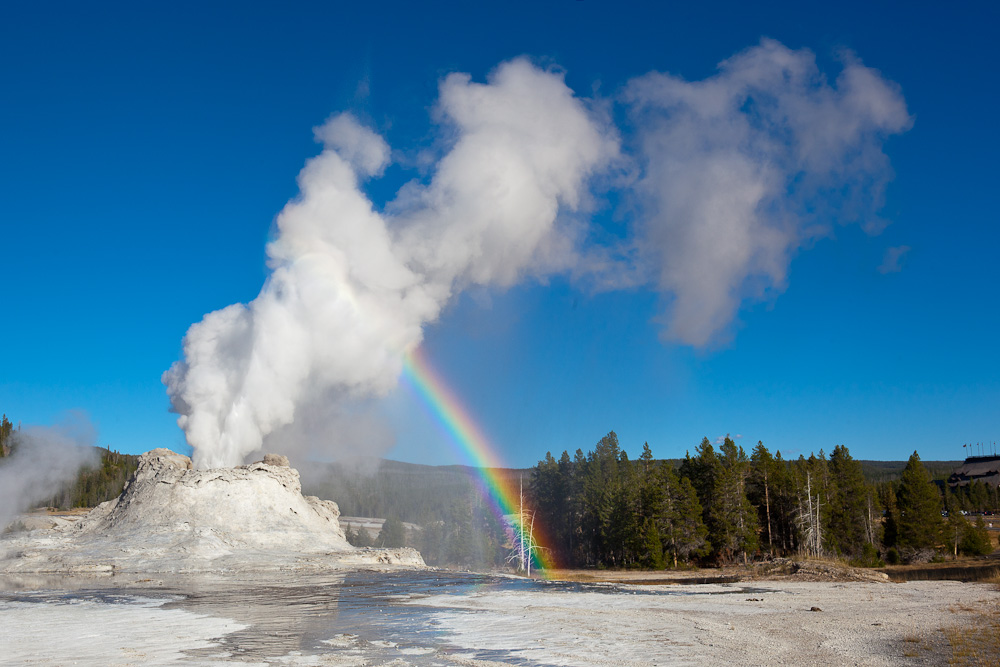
(684, 533)
(547, 489)
(760, 491)
(581, 544)
(6, 428)
(652, 555)
(702, 470)
(650, 483)
(733, 527)
(601, 499)
(392, 535)
(849, 505)
(783, 503)
(919, 521)
(625, 532)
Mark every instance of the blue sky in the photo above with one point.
(147, 150)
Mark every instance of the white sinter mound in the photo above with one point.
(257, 506)
(173, 518)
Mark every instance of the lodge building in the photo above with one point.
(977, 468)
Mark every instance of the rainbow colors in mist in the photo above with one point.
(503, 494)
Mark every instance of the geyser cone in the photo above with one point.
(172, 518)
(257, 506)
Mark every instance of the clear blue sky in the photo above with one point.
(145, 151)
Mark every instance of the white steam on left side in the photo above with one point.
(44, 460)
(351, 288)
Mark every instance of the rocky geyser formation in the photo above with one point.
(171, 517)
(256, 506)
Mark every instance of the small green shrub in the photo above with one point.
(869, 557)
(359, 538)
(892, 556)
(976, 540)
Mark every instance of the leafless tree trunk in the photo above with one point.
(767, 509)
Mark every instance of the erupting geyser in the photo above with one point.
(351, 288)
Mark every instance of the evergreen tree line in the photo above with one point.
(725, 506)
(98, 484)
(977, 497)
(6, 441)
(93, 485)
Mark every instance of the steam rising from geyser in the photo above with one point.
(725, 185)
(44, 460)
(351, 288)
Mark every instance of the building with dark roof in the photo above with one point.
(976, 468)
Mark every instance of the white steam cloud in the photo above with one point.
(732, 175)
(43, 461)
(741, 169)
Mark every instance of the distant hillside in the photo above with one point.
(407, 491)
(458, 526)
(888, 471)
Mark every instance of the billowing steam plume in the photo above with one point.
(731, 176)
(352, 288)
(43, 461)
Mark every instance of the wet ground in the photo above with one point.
(437, 618)
(363, 614)
(344, 618)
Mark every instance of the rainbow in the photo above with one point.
(470, 443)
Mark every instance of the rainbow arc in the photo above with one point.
(468, 440)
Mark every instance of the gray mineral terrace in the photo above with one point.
(172, 518)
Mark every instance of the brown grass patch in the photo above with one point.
(977, 640)
(914, 646)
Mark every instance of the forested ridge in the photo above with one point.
(102, 482)
(722, 506)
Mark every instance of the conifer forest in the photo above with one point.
(725, 506)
